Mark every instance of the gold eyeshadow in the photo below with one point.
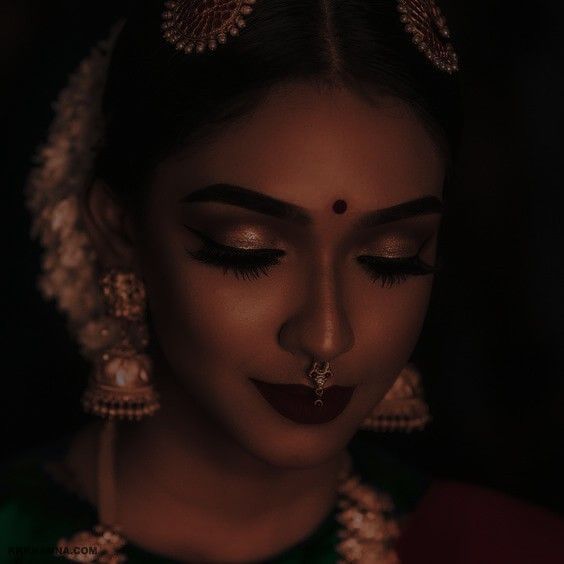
(399, 239)
(399, 246)
(246, 237)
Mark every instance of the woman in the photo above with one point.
(244, 242)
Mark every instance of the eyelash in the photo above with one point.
(253, 264)
(392, 271)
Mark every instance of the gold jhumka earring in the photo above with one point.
(403, 408)
(121, 386)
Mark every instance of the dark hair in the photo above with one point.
(158, 99)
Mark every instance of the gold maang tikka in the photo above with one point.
(424, 21)
(193, 26)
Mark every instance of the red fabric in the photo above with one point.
(458, 523)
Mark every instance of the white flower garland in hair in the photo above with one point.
(53, 193)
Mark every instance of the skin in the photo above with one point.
(217, 462)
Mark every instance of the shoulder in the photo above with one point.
(462, 523)
(35, 510)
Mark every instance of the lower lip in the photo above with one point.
(296, 402)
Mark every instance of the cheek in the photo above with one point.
(389, 322)
(207, 322)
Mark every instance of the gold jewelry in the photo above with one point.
(121, 386)
(370, 531)
(101, 545)
(193, 26)
(319, 373)
(427, 26)
(124, 293)
(403, 407)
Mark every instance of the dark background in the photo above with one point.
(494, 372)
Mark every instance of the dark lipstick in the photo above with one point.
(296, 401)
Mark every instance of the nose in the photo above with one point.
(320, 329)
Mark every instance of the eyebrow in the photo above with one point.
(262, 203)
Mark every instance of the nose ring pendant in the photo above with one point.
(319, 374)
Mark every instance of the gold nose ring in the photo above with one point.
(319, 373)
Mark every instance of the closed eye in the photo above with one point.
(244, 263)
(253, 263)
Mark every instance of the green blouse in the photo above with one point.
(36, 511)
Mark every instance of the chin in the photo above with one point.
(250, 422)
(285, 444)
(295, 451)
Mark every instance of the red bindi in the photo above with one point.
(340, 206)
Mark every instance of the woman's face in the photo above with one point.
(224, 316)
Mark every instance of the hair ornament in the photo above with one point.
(193, 25)
(424, 21)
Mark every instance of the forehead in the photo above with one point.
(310, 146)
